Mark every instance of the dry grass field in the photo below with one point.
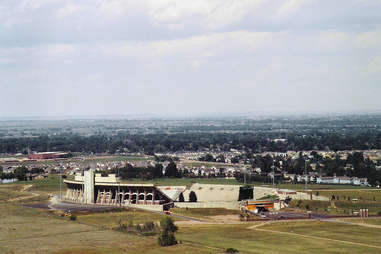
(204, 213)
(26, 230)
(29, 230)
(111, 219)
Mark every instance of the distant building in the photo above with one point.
(47, 155)
(342, 180)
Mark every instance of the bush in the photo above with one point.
(73, 217)
(167, 239)
(192, 197)
(181, 197)
(167, 224)
(149, 226)
(167, 235)
(231, 250)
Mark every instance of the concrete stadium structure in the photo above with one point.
(92, 188)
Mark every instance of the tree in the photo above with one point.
(20, 173)
(181, 197)
(171, 170)
(157, 171)
(192, 197)
(167, 235)
(235, 159)
(36, 170)
(220, 158)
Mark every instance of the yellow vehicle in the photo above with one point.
(257, 206)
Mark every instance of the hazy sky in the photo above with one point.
(186, 57)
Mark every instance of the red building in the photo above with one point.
(47, 155)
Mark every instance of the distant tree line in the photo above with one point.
(156, 143)
(148, 173)
(163, 158)
(20, 173)
(210, 158)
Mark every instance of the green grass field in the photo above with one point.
(50, 184)
(331, 230)
(340, 207)
(370, 221)
(319, 187)
(349, 195)
(345, 202)
(210, 164)
(273, 238)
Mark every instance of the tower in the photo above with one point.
(88, 186)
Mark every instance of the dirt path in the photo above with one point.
(24, 189)
(260, 225)
(316, 237)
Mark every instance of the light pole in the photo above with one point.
(305, 173)
(119, 189)
(273, 168)
(60, 183)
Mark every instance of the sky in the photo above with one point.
(167, 57)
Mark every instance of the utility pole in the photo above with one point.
(60, 183)
(273, 167)
(305, 174)
(119, 202)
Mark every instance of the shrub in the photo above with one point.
(73, 217)
(181, 197)
(192, 197)
(167, 224)
(149, 226)
(231, 250)
(167, 235)
(167, 239)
